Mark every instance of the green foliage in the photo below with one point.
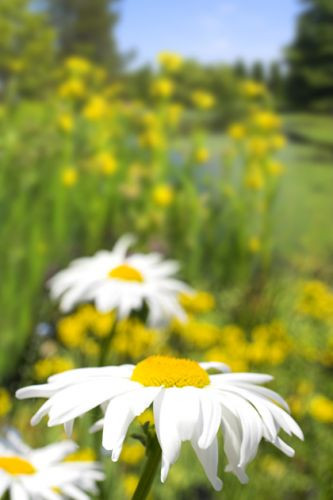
(86, 28)
(27, 59)
(310, 57)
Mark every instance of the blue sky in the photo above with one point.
(209, 30)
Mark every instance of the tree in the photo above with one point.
(310, 57)
(27, 55)
(276, 81)
(240, 69)
(257, 71)
(86, 28)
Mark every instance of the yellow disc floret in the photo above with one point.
(125, 272)
(170, 372)
(16, 465)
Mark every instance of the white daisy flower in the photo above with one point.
(188, 404)
(41, 474)
(116, 280)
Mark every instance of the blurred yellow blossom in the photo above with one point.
(134, 339)
(254, 244)
(146, 416)
(69, 176)
(257, 146)
(66, 122)
(162, 87)
(163, 195)
(275, 167)
(236, 131)
(254, 178)
(90, 347)
(316, 300)
(70, 331)
(130, 484)
(5, 402)
(251, 88)
(49, 366)
(78, 65)
(72, 88)
(321, 408)
(274, 467)
(173, 113)
(266, 120)
(152, 138)
(201, 155)
(277, 141)
(198, 302)
(202, 99)
(196, 333)
(96, 108)
(82, 455)
(171, 61)
(106, 163)
(132, 454)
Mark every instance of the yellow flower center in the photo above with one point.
(126, 273)
(16, 465)
(170, 372)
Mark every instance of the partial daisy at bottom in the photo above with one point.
(189, 404)
(42, 474)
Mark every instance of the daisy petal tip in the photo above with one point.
(217, 484)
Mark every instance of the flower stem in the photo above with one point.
(148, 474)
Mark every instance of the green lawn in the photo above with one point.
(305, 210)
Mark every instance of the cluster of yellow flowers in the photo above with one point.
(44, 368)
(316, 300)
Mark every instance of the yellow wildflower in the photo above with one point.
(254, 179)
(250, 88)
(236, 131)
(49, 366)
(66, 122)
(257, 146)
(170, 60)
(72, 88)
(82, 455)
(203, 99)
(152, 139)
(5, 402)
(90, 347)
(316, 300)
(254, 244)
(146, 416)
(134, 339)
(274, 467)
(163, 195)
(197, 303)
(95, 109)
(130, 484)
(321, 408)
(69, 176)
(162, 87)
(106, 163)
(173, 113)
(70, 331)
(275, 168)
(266, 120)
(132, 454)
(277, 141)
(78, 65)
(201, 155)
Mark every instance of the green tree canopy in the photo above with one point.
(86, 28)
(310, 57)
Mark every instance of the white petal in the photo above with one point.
(211, 418)
(17, 492)
(254, 378)
(209, 460)
(120, 413)
(176, 415)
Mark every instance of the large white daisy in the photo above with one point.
(116, 280)
(41, 474)
(188, 404)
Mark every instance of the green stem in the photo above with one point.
(148, 474)
(105, 344)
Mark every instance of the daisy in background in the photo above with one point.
(114, 280)
(188, 405)
(41, 474)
